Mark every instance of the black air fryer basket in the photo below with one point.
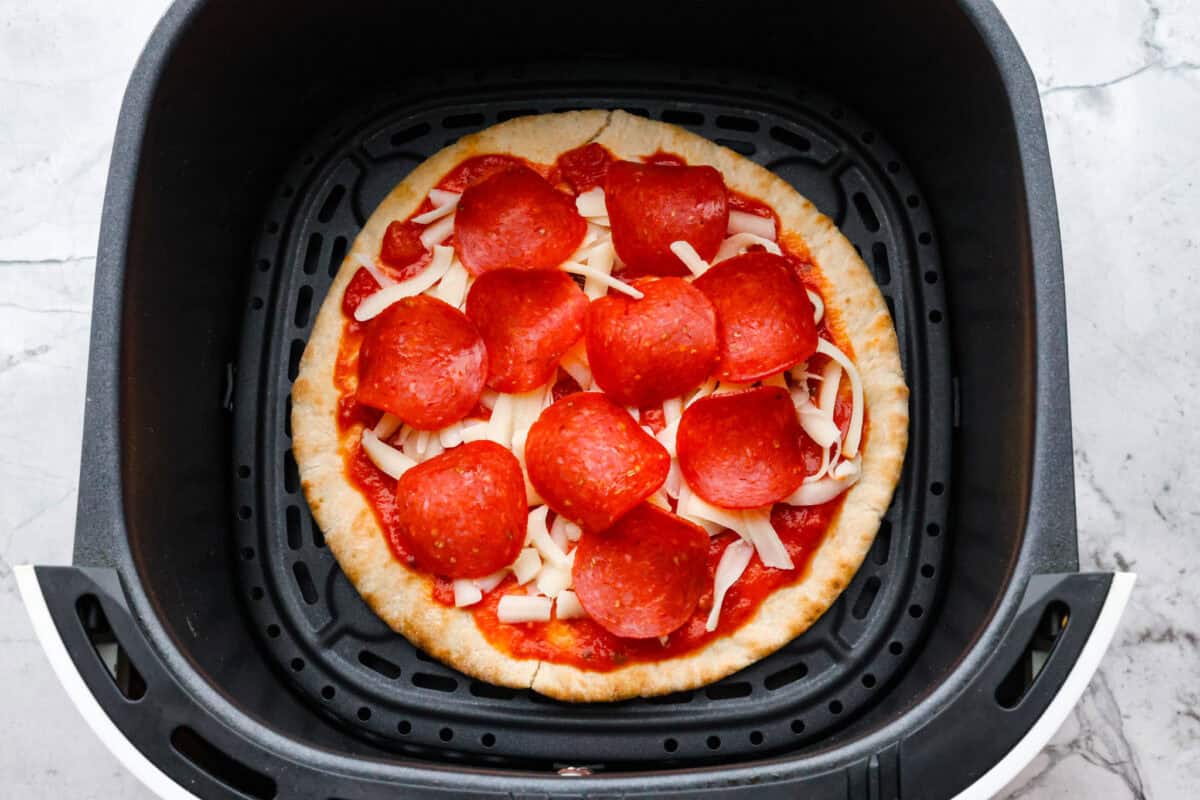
(206, 633)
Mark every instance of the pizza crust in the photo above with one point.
(401, 597)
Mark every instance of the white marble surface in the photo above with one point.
(1120, 86)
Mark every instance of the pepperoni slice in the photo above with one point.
(591, 461)
(422, 360)
(475, 169)
(652, 205)
(742, 450)
(764, 316)
(515, 219)
(643, 351)
(527, 319)
(401, 245)
(585, 167)
(462, 514)
(361, 286)
(644, 576)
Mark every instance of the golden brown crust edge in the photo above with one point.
(402, 598)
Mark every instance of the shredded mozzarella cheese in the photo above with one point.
(823, 490)
(743, 222)
(523, 608)
(733, 563)
(738, 243)
(553, 579)
(387, 425)
(440, 209)
(818, 306)
(576, 268)
(368, 263)
(375, 304)
(527, 565)
(690, 258)
(766, 541)
(591, 203)
(854, 434)
(466, 593)
(567, 605)
(537, 536)
(387, 458)
(489, 582)
(599, 259)
(438, 232)
(452, 288)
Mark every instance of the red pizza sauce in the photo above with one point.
(582, 642)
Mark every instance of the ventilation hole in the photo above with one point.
(936, 488)
(915, 611)
(404, 727)
(108, 648)
(377, 663)
(670, 745)
(865, 212)
(835, 707)
(480, 689)
(793, 140)
(868, 681)
(935, 316)
(332, 201)
(931, 277)
(879, 257)
(756, 738)
(674, 698)
(797, 726)
(243, 472)
(273, 631)
(256, 303)
(1033, 657)
(244, 512)
(639, 112)
(893, 167)
(924, 238)
(318, 536)
(423, 656)
(312, 254)
(883, 542)
(328, 692)
(713, 742)
(337, 255)
(785, 676)
(868, 137)
(291, 473)
(738, 146)
(866, 598)
(308, 589)
(438, 683)
(220, 767)
(895, 648)
(445, 734)
(488, 740)
(247, 553)
(680, 117)
(287, 416)
(514, 113)
(297, 664)
(731, 123)
(364, 713)
(293, 357)
(728, 691)
(294, 539)
(927, 570)
(272, 227)
(256, 593)
(471, 120)
(263, 265)
(409, 134)
(933, 529)
(913, 201)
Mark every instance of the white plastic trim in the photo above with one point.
(142, 768)
(1068, 695)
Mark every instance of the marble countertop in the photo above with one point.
(1120, 86)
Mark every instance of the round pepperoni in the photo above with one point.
(764, 316)
(475, 169)
(652, 205)
(644, 576)
(515, 219)
(462, 514)
(591, 460)
(584, 167)
(644, 351)
(527, 319)
(423, 361)
(741, 450)
(401, 245)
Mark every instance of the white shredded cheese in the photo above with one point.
(451, 435)
(702, 391)
(368, 263)
(743, 222)
(823, 490)
(439, 210)
(818, 306)
(501, 422)
(674, 479)
(569, 530)
(452, 288)
(576, 268)
(438, 232)
(591, 203)
(375, 304)
(553, 579)
(739, 243)
(387, 458)
(667, 436)
(690, 258)
(559, 534)
(489, 582)
(466, 593)
(435, 446)
(387, 425)
(527, 565)
(600, 259)
(766, 541)
(672, 409)
(537, 536)
(475, 431)
(815, 421)
(567, 605)
(659, 498)
(854, 434)
(733, 563)
(488, 398)
(695, 509)
(524, 608)
(575, 364)
(439, 197)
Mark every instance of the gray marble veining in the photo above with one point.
(1120, 85)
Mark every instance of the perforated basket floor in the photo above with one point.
(370, 680)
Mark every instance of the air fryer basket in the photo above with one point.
(206, 631)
